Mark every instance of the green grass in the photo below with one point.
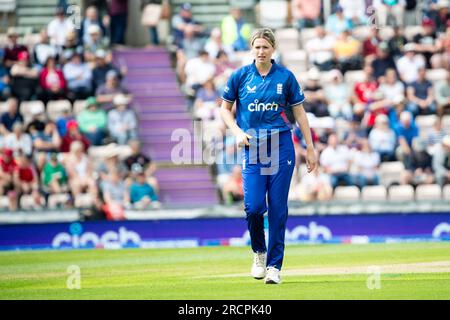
(196, 273)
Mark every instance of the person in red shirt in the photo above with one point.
(73, 134)
(371, 44)
(13, 49)
(26, 179)
(52, 82)
(7, 167)
(363, 92)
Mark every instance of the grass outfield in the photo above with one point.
(222, 273)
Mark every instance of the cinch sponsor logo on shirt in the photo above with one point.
(256, 106)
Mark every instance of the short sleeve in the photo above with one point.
(230, 93)
(295, 95)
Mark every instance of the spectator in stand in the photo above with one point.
(406, 131)
(420, 95)
(118, 12)
(92, 122)
(382, 62)
(112, 87)
(58, 28)
(13, 48)
(441, 15)
(73, 134)
(428, 45)
(78, 76)
(102, 66)
(80, 171)
(63, 119)
(366, 162)
(214, 45)
(382, 139)
(409, 64)
(115, 195)
(391, 88)
(52, 82)
(315, 102)
(320, 49)
(232, 190)
(11, 116)
(183, 22)
(363, 92)
(236, 32)
(70, 47)
(122, 121)
(54, 176)
(24, 78)
(315, 186)
(434, 136)
(112, 163)
(386, 8)
(142, 194)
(371, 43)
(337, 22)
(419, 170)
(396, 43)
(336, 160)
(441, 163)
(347, 52)
(338, 96)
(7, 166)
(18, 140)
(306, 13)
(98, 42)
(355, 134)
(26, 179)
(5, 90)
(43, 49)
(207, 101)
(354, 11)
(443, 96)
(44, 143)
(198, 71)
(91, 18)
(138, 160)
(224, 69)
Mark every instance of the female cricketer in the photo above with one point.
(263, 91)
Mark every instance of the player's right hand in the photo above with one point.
(242, 139)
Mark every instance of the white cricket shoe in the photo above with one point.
(259, 266)
(273, 276)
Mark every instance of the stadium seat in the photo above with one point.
(295, 57)
(411, 31)
(446, 122)
(287, 39)
(3, 107)
(101, 152)
(362, 32)
(401, 193)
(386, 33)
(55, 108)
(350, 193)
(446, 192)
(84, 200)
(4, 203)
(436, 75)
(428, 192)
(424, 123)
(390, 172)
(27, 203)
(28, 107)
(56, 200)
(273, 14)
(374, 193)
(306, 35)
(78, 106)
(353, 76)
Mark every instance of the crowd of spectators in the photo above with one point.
(356, 125)
(46, 153)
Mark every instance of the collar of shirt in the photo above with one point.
(272, 69)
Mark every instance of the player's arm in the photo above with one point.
(302, 120)
(227, 117)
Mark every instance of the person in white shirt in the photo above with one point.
(43, 50)
(78, 76)
(382, 139)
(199, 70)
(392, 88)
(366, 164)
(18, 140)
(58, 28)
(122, 121)
(320, 49)
(409, 64)
(336, 160)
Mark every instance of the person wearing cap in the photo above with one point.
(102, 66)
(24, 78)
(7, 166)
(13, 48)
(63, 119)
(382, 138)
(11, 116)
(263, 92)
(92, 122)
(183, 23)
(386, 8)
(409, 64)
(428, 44)
(441, 162)
(91, 17)
(73, 134)
(59, 27)
(337, 22)
(98, 42)
(420, 95)
(79, 78)
(106, 92)
(122, 121)
(236, 32)
(142, 194)
(54, 176)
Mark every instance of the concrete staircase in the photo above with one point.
(161, 108)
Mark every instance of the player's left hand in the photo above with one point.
(311, 159)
